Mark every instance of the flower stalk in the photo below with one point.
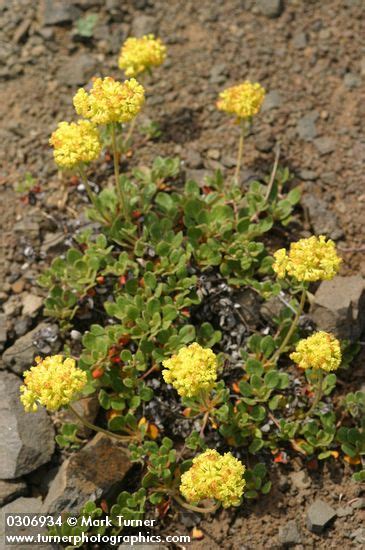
(95, 428)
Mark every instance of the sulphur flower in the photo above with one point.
(214, 476)
(141, 54)
(75, 143)
(311, 259)
(320, 351)
(110, 101)
(243, 100)
(192, 370)
(53, 382)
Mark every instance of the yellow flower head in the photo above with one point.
(75, 143)
(141, 54)
(53, 382)
(214, 476)
(311, 259)
(243, 100)
(110, 100)
(192, 370)
(320, 351)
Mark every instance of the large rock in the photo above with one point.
(143, 24)
(26, 439)
(323, 220)
(57, 12)
(87, 407)
(319, 515)
(10, 490)
(43, 339)
(289, 534)
(77, 70)
(96, 470)
(339, 306)
(270, 8)
(31, 507)
(3, 331)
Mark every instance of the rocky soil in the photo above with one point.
(310, 56)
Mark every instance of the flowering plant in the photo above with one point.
(143, 274)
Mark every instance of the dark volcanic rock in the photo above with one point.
(26, 439)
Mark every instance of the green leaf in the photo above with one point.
(255, 446)
(254, 367)
(266, 488)
(272, 379)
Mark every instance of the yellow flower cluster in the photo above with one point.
(214, 476)
(311, 259)
(192, 370)
(53, 382)
(75, 143)
(110, 100)
(320, 351)
(141, 54)
(243, 100)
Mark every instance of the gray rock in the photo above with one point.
(22, 325)
(58, 12)
(198, 175)
(87, 407)
(306, 127)
(10, 490)
(26, 439)
(228, 161)
(319, 515)
(289, 534)
(115, 9)
(31, 304)
(19, 357)
(325, 145)
(193, 159)
(264, 143)
(358, 504)
(249, 306)
(143, 24)
(3, 330)
(218, 73)
(271, 308)
(307, 175)
(300, 480)
(300, 40)
(323, 220)
(343, 512)
(339, 306)
(358, 536)
(273, 100)
(351, 81)
(29, 506)
(52, 242)
(270, 8)
(94, 471)
(77, 70)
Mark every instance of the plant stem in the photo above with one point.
(239, 154)
(97, 428)
(116, 171)
(318, 394)
(204, 423)
(89, 191)
(193, 508)
(273, 173)
(130, 132)
(292, 328)
(91, 194)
